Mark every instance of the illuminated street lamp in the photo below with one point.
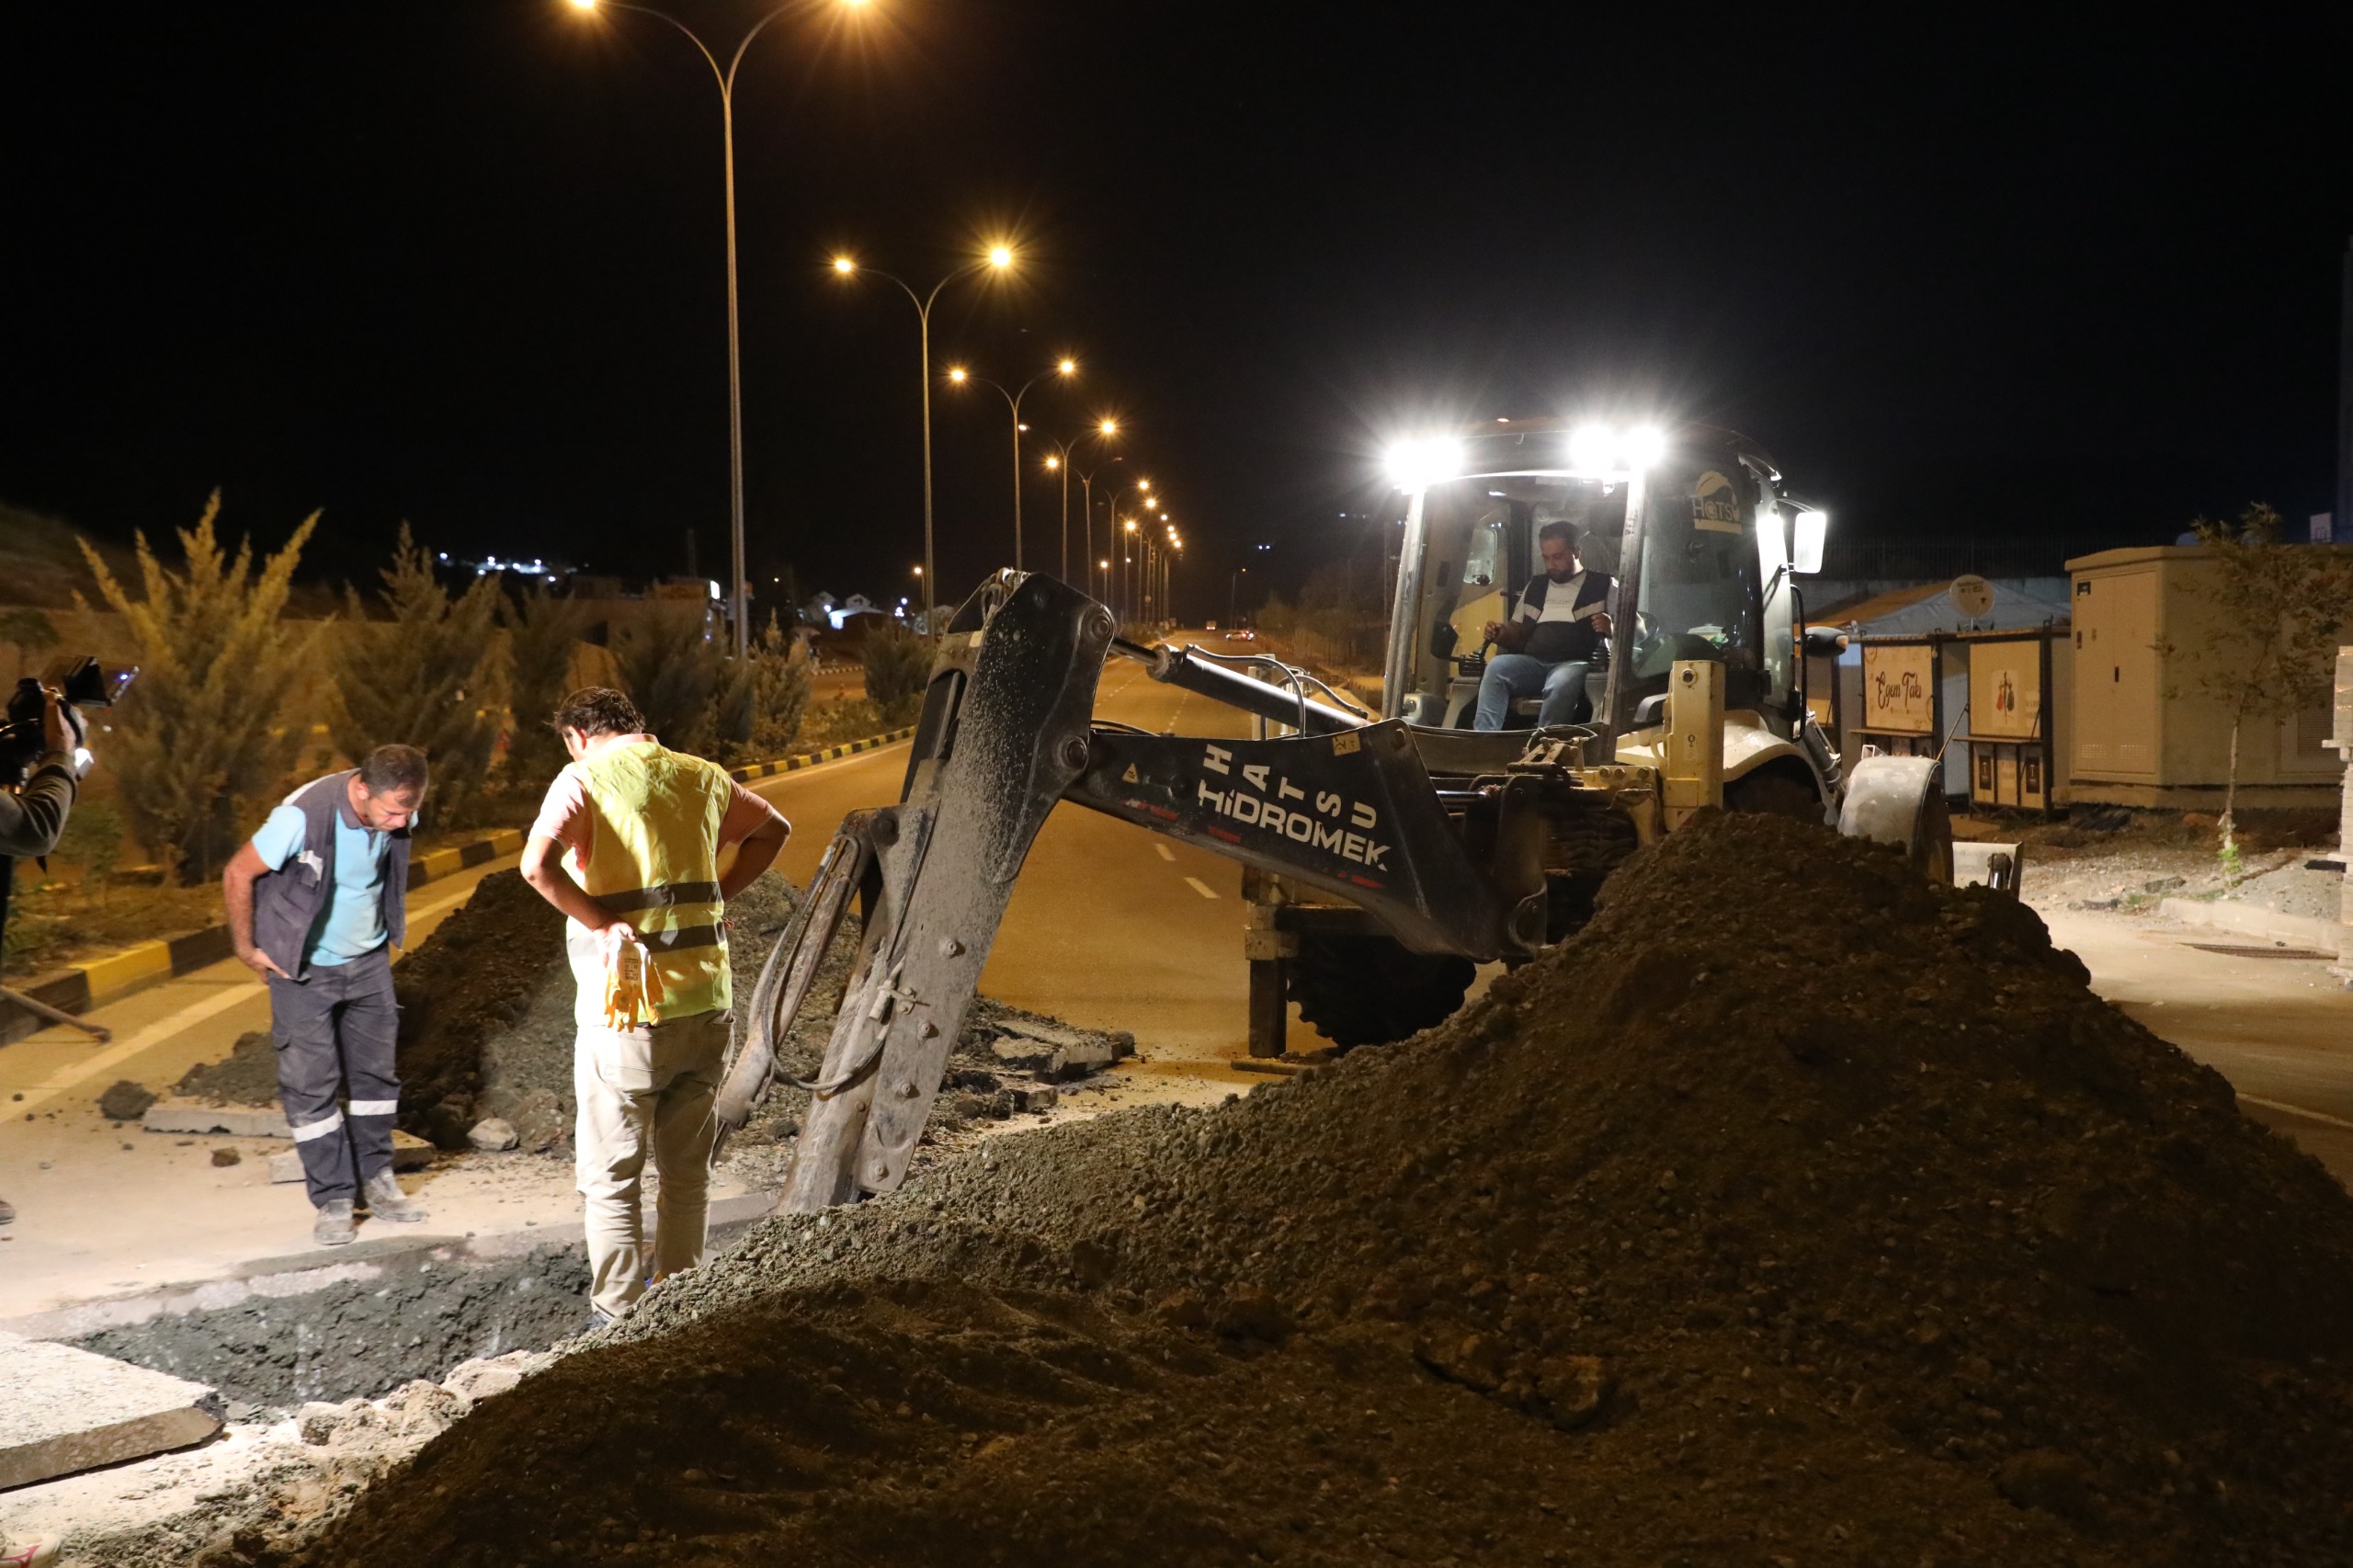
(998, 259)
(1060, 462)
(726, 79)
(1064, 367)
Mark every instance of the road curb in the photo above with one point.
(810, 759)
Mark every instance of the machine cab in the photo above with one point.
(1713, 525)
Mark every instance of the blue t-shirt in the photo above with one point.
(352, 922)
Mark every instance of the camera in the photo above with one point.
(83, 682)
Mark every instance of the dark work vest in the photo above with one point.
(289, 900)
(1558, 641)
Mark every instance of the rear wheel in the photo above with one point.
(1362, 990)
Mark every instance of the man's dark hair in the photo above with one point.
(598, 710)
(392, 770)
(1558, 529)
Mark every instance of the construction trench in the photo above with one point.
(1795, 1211)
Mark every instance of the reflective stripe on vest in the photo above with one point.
(654, 856)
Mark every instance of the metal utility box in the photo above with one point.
(2145, 734)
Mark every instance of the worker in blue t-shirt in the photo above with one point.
(316, 901)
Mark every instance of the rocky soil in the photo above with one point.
(1794, 1211)
(2128, 862)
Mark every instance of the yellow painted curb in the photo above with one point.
(810, 759)
(128, 969)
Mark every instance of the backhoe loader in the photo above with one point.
(1385, 855)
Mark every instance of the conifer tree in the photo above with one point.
(541, 632)
(431, 673)
(202, 744)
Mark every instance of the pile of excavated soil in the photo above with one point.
(247, 1075)
(486, 1019)
(1793, 1212)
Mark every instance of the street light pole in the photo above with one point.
(1233, 597)
(998, 258)
(1061, 462)
(740, 601)
(1128, 577)
(1066, 366)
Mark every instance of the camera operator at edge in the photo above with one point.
(34, 813)
(316, 901)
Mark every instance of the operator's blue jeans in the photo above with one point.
(1510, 677)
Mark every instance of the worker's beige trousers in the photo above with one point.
(639, 1090)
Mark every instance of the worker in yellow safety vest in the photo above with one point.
(643, 828)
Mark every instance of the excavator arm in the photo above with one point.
(1343, 806)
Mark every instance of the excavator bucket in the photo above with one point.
(1003, 733)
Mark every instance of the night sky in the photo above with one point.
(1983, 276)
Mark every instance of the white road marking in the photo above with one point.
(2321, 1117)
(1165, 852)
(1201, 887)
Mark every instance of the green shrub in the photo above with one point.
(93, 840)
(842, 719)
(540, 635)
(898, 666)
(198, 746)
(433, 676)
(781, 684)
(672, 669)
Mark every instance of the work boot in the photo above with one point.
(335, 1227)
(387, 1201)
(28, 1550)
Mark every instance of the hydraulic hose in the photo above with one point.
(1187, 670)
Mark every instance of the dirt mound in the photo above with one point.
(247, 1075)
(1794, 1210)
(488, 990)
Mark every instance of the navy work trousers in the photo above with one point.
(335, 1028)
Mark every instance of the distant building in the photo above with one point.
(837, 614)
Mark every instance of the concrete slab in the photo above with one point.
(69, 1411)
(410, 1152)
(235, 1120)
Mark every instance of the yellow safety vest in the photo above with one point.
(654, 860)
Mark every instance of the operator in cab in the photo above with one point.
(1552, 640)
